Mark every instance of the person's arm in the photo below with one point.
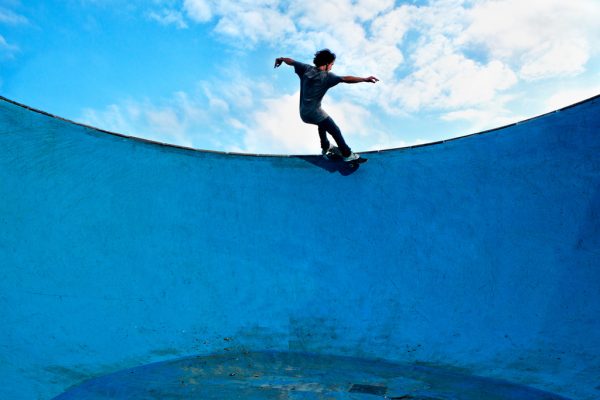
(280, 60)
(356, 79)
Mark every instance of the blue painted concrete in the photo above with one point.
(481, 253)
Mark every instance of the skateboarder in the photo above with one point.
(314, 83)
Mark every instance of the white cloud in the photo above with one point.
(541, 38)
(169, 17)
(391, 27)
(247, 22)
(563, 98)
(353, 120)
(113, 118)
(562, 56)
(366, 10)
(216, 103)
(236, 124)
(325, 15)
(277, 128)
(6, 49)
(177, 121)
(384, 141)
(255, 25)
(511, 40)
(11, 18)
(198, 10)
(445, 79)
(235, 91)
(209, 117)
(485, 116)
(304, 27)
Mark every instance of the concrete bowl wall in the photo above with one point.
(480, 253)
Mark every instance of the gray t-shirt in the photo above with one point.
(313, 86)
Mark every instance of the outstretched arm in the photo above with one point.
(356, 79)
(280, 60)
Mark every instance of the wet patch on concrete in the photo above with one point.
(63, 374)
(369, 389)
(166, 352)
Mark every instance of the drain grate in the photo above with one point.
(368, 389)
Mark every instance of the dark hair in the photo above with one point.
(323, 57)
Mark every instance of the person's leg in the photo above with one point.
(328, 125)
(323, 136)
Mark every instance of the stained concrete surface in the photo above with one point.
(275, 375)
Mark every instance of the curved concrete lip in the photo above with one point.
(123, 135)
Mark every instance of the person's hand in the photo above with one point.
(278, 62)
(371, 79)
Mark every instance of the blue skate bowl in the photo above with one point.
(464, 269)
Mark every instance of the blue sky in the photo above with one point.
(199, 73)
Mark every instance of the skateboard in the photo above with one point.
(334, 154)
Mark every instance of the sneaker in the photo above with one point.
(352, 157)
